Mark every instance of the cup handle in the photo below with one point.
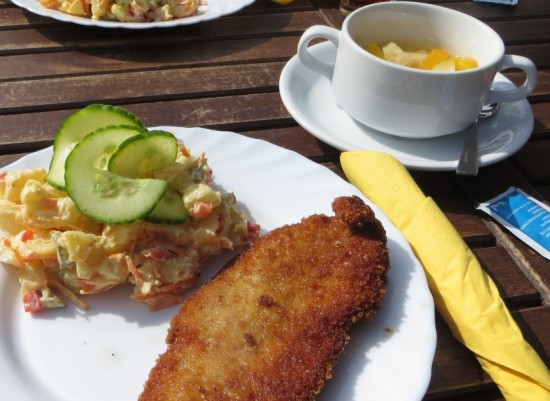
(520, 92)
(317, 31)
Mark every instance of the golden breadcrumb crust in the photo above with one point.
(272, 324)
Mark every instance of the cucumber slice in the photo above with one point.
(143, 153)
(79, 125)
(169, 210)
(99, 193)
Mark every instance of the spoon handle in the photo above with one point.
(468, 162)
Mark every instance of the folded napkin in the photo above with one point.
(464, 294)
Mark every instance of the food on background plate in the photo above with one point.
(433, 59)
(126, 10)
(273, 323)
(100, 223)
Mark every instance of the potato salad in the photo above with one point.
(61, 250)
(126, 10)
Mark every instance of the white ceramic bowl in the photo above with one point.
(410, 102)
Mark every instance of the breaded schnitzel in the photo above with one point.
(272, 324)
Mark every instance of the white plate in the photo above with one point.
(106, 352)
(214, 9)
(308, 98)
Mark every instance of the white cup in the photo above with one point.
(410, 102)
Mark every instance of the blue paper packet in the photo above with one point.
(503, 2)
(524, 216)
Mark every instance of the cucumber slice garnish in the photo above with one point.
(169, 210)
(76, 127)
(101, 194)
(138, 157)
(143, 153)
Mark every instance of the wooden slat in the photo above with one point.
(541, 93)
(513, 285)
(529, 160)
(56, 38)
(541, 130)
(13, 17)
(152, 57)
(460, 211)
(534, 324)
(235, 113)
(488, 185)
(10, 158)
(524, 9)
(139, 86)
(296, 139)
(538, 53)
(523, 31)
(456, 371)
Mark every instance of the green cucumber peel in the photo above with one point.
(139, 155)
(169, 210)
(101, 194)
(76, 127)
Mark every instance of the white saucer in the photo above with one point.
(308, 98)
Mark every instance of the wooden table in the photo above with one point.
(224, 74)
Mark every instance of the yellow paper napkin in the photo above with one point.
(464, 294)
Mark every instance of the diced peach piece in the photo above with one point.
(465, 63)
(435, 57)
(374, 49)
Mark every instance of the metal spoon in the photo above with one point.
(468, 162)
